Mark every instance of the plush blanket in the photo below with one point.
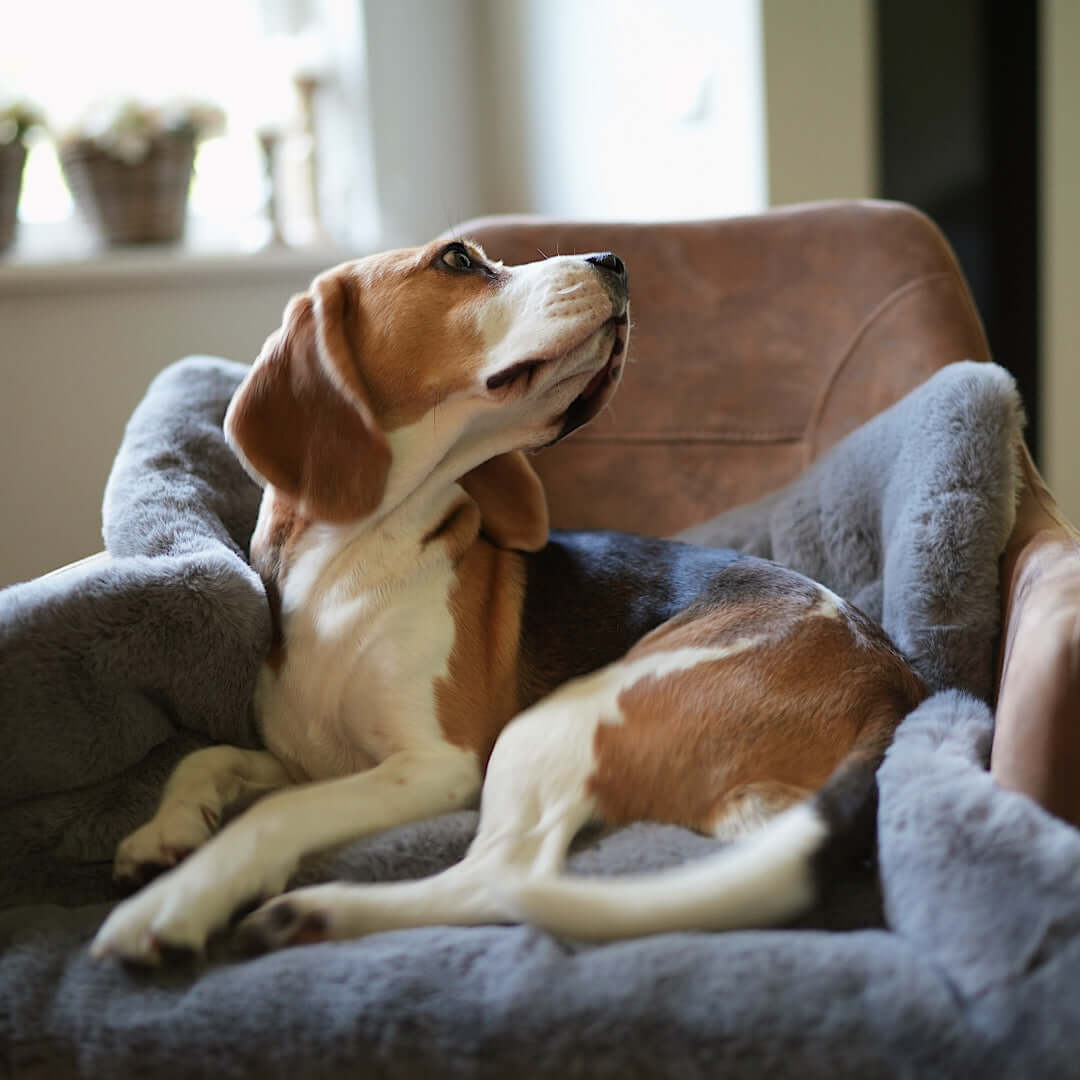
(953, 956)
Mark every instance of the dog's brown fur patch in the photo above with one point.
(479, 694)
(782, 711)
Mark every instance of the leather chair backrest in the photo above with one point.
(757, 343)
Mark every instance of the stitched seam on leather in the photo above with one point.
(899, 293)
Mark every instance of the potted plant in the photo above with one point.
(16, 119)
(129, 167)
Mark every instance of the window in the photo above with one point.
(647, 110)
(241, 55)
(429, 111)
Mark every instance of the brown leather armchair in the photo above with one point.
(769, 338)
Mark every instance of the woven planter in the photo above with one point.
(12, 159)
(144, 202)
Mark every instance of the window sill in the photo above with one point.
(60, 258)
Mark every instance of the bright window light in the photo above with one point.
(240, 55)
(643, 110)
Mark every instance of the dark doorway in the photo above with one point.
(958, 109)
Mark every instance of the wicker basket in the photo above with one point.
(12, 159)
(132, 203)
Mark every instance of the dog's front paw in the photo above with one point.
(177, 913)
(169, 837)
(148, 927)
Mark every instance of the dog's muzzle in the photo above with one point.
(598, 392)
(615, 278)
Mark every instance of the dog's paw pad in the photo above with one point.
(281, 923)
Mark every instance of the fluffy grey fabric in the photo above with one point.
(113, 671)
(962, 964)
(906, 518)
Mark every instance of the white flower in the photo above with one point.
(16, 117)
(127, 129)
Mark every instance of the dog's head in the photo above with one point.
(427, 363)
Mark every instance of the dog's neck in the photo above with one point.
(437, 522)
(389, 613)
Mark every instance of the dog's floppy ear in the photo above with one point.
(302, 421)
(513, 506)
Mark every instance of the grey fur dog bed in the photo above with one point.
(955, 956)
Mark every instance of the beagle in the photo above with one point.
(435, 645)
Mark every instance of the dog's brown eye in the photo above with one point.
(456, 259)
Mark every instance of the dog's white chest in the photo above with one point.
(360, 668)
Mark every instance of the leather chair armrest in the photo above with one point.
(1036, 748)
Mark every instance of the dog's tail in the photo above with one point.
(764, 879)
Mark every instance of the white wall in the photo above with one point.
(426, 81)
(649, 109)
(646, 110)
(1061, 251)
(77, 353)
(820, 72)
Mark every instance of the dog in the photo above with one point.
(433, 643)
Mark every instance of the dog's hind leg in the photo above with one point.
(203, 788)
(467, 894)
(533, 804)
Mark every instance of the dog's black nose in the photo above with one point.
(607, 260)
